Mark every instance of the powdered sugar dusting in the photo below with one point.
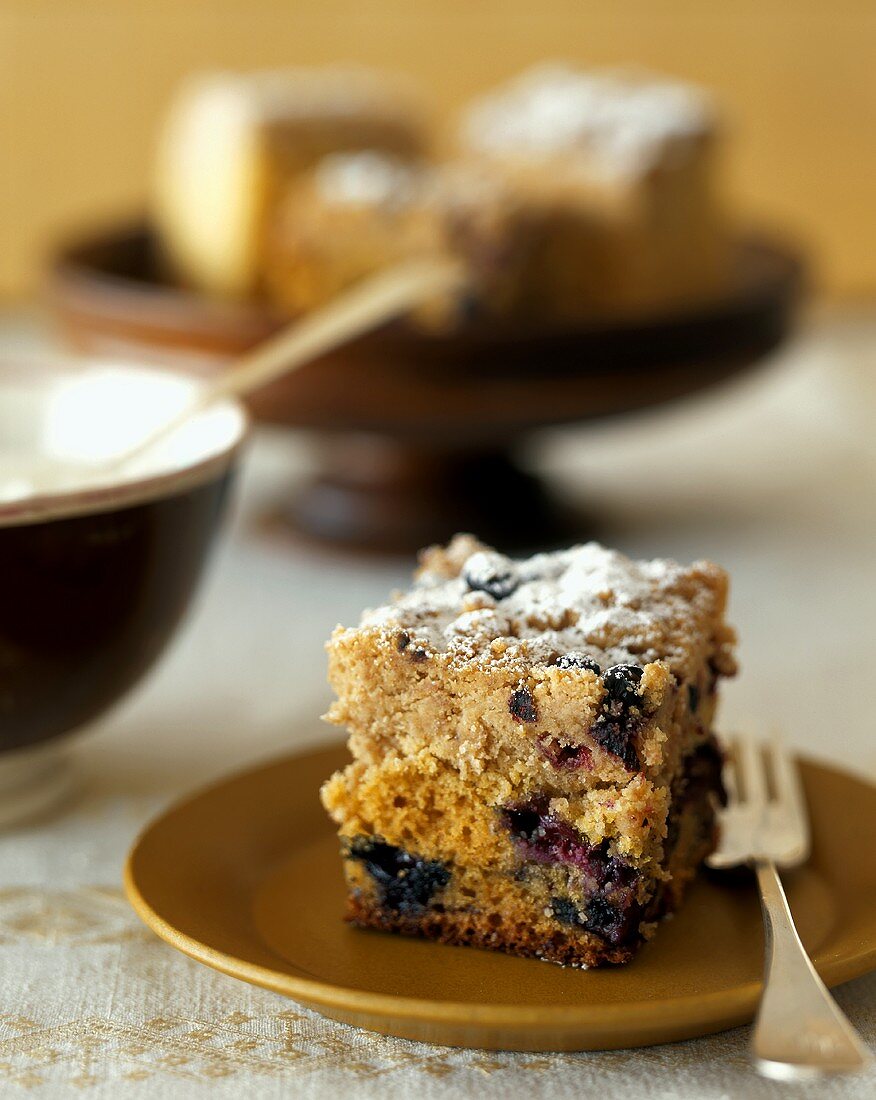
(367, 178)
(588, 600)
(622, 122)
(371, 178)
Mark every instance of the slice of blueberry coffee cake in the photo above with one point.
(533, 764)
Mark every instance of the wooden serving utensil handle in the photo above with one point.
(363, 307)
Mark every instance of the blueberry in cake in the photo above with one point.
(534, 768)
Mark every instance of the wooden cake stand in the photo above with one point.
(416, 433)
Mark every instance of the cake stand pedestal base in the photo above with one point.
(372, 492)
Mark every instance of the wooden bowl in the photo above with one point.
(418, 429)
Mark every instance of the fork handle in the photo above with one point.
(800, 1030)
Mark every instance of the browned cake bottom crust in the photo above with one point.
(475, 930)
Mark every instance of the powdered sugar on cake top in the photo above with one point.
(370, 178)
(623, 123)
(473, 604)
(367, 178)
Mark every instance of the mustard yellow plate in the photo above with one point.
(245, 877)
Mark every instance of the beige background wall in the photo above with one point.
(83, 84)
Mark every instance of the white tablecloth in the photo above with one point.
(773, 477)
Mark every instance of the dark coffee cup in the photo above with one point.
(98, 560)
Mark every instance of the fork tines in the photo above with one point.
(765, 817)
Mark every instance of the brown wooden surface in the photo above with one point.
(484, 381)
(417, 429)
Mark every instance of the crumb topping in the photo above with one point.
(375, 179)
(586, 602)
(365, 179)
(622, 122)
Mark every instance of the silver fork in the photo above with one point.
(800, 1031)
